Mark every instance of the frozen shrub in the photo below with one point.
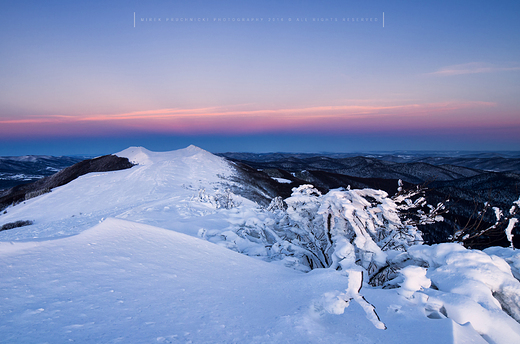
(16, 224)
(36, 193)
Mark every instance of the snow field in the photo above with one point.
(126, 282)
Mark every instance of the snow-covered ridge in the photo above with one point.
(155, 191)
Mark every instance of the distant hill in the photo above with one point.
(466, 181)
(358, 166)
(17, 170)
(486, 161)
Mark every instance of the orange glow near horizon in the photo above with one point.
(229, 120)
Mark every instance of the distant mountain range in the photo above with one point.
(16, 170)
(468, 181)
(412, 168)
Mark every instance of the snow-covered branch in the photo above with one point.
(504, 221)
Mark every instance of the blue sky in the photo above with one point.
(78, 78)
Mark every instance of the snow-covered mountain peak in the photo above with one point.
(195, 149)
(197, 153)
(136, 155)
(143, 156)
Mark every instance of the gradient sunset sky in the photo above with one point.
(90, 77)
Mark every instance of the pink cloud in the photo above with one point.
(249, 120)
(471, 68)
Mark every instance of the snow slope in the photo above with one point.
(155, 191)
(132, 283)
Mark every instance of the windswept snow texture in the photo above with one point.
(123, 282)
(474, 287)
(107, 260)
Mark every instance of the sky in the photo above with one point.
(94, 77)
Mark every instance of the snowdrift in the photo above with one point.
(126, 282)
